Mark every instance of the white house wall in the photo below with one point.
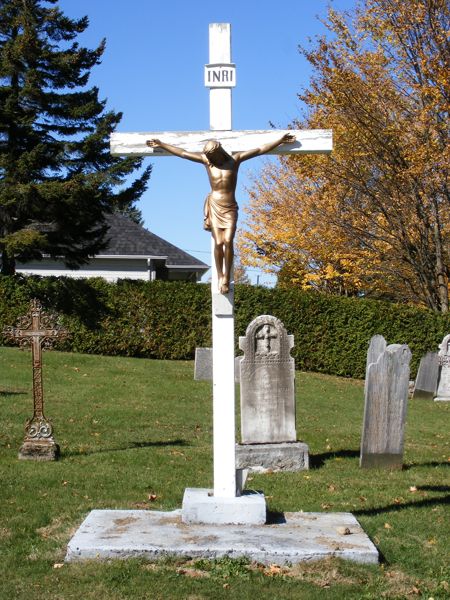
(110, 269)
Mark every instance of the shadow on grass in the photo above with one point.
(434, 463)
(130, 446)
(316, 461)
(11, 393)
(434, 488)
(398, 507)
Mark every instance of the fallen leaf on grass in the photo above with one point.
(152, 497)
(194, 573)
(58, 565)
(273, 570)
(387, 526)
(412, 489)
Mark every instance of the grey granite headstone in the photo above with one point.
(386, 398)
(443, 389)
(203, 364)
(377, 345)
(427, 377)
(267, 383)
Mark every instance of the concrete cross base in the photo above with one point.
(200, 506)
(442, 399)
(39, 450)
(296, 537)
(283, 456)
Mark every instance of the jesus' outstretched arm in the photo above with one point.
(287, 138)
(194, 156)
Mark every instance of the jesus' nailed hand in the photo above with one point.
(221, 209)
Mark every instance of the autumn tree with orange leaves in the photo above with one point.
(373, 218)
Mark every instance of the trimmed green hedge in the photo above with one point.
(169, 319)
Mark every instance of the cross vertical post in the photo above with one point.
(222, 505)
(222, 305)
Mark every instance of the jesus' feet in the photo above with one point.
(224, 285)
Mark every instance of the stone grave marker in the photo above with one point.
(426, 382)
(443, 388)
(268, 433)
(203, 364)
(386, 398)
(203, 368)
(38, 330)
(377, 345)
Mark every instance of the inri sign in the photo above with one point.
(220, 75)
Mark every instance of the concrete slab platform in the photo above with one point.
(201, 506)
(121, 534)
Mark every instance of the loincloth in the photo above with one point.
(221, 215)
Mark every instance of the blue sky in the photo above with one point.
(152, 71)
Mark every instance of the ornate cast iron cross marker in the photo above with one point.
(38, 330)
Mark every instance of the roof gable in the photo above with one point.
(127, 238)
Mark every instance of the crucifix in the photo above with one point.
(221, 150)
(38, 330)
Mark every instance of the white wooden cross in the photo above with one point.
(220, 77)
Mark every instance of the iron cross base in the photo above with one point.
(39, 450)
(42, 448)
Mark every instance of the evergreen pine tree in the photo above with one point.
(58, 179)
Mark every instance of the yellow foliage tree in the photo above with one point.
(373, 218)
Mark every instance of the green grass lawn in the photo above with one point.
(135, 433)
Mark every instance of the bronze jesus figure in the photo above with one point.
(221, 209)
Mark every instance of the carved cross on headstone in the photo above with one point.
(265, 336)
(38, 330)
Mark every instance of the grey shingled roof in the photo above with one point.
(127, 238)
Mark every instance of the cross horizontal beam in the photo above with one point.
(307, 141)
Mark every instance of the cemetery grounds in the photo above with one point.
(134, 433)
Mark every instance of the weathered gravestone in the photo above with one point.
(38, 330)
(269, 437)
(203, 364)
(386, 398)
(426, 382)
(203, 368)
(377, 345)
(443, 388)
